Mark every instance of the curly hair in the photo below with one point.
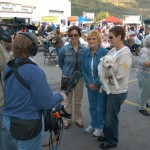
(146, 42)
(75, 28)
(96, 34)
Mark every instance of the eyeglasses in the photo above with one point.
(73, 35)
(93, 39)
(110, 37)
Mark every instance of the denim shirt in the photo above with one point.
(67, 58)
(91, 75)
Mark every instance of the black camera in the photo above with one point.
(18, 20)
(7, 30)
(5, 34)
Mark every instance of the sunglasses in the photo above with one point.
(93, 39)
(110, 37)
(73, 35)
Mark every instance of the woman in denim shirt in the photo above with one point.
(91, 59)
(70, 60)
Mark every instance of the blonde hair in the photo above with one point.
(96, 34)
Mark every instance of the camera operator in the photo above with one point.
(25, 101)
(4, 144)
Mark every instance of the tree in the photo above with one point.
(102, 15)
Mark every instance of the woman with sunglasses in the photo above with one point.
(70, 60)
(91, 59)
(112, 102)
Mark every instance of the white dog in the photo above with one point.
(105, 72)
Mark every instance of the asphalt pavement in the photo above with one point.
(133, 129)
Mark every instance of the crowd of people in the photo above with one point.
(22, 112)
(133, 38)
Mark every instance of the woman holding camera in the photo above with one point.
(25, 98)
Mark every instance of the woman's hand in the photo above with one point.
(64, 96)
(93, 87)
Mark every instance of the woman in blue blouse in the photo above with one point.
(70, 60)
(91, 59)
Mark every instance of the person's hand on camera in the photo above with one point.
(64, 96)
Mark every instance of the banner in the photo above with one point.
(49, 19)
(132, 19)
(72, 18)
(89, 16)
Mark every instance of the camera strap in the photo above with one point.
(14, 66)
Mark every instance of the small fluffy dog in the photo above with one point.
(105, 72)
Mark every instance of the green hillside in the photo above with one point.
(114, 7)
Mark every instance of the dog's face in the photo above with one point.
(107, 61)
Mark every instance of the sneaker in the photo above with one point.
(144, 112)
(89, 130)
(97, 132)
(147, 105)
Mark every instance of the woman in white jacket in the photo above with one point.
(112, 102)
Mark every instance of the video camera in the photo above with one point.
(53, 119)
(7, 30)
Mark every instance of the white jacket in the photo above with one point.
(122, 66)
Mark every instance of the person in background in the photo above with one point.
(83, 40)
(5, 139)
(99, 28)
(22, 109)
(58, 27)
(147, 30)
(53, 26)
(64, 37)
(49, 28)
(143, 75)
(67, 41)
(105, 43)
(70, 60)
(91, 59)
(112, 102)
(57, 40)
(91, 27)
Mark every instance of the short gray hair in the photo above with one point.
(146, 42)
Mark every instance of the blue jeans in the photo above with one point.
(143, 81)
(6, 141)
(95, 109)
(111, 108)
(57, 50)
(35, 143)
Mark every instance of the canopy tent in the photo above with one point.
(113, 19)
(147, 21)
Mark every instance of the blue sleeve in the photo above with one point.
(105, 51)
(42, 94)
(86, 77)
(61, 57)
(97, 80)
